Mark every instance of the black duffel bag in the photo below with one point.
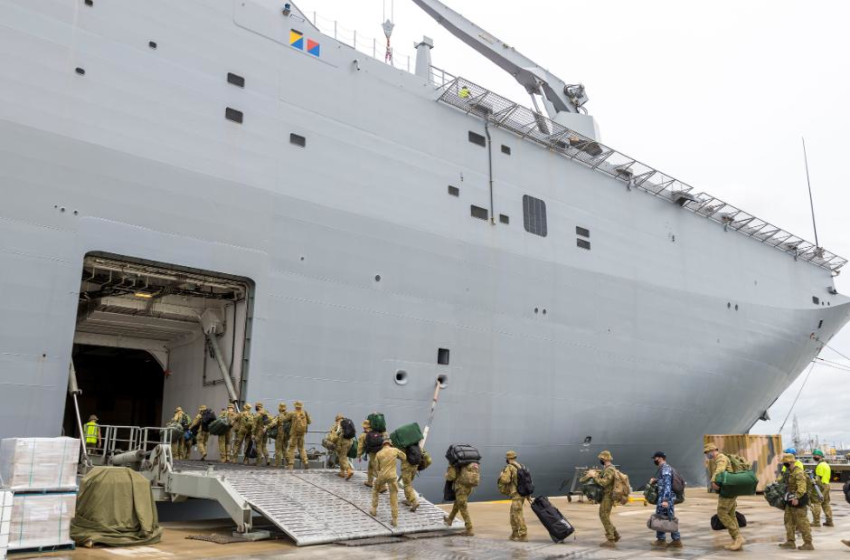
(717, 525)
(462, 454)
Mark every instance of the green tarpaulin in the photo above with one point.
(115, 507)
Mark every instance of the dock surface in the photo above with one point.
(764, 531)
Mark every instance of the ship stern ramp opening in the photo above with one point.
(312, 507)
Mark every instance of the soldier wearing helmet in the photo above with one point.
(202, 432)
(796, 518)
(261, 420)
(299, 422)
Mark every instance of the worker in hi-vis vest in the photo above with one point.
(92, 431)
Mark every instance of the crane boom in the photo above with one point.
(559, 96)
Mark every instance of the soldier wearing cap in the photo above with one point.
(202, 434)
(666, 500)
(823, 475)
(225, 439)
(281, 440)
(178, 441)
(262, 418)
(605, 479)
(387, 475)
(299, 421)
(244, 433)
(343, 445)
(796, 518)
(508, 481)
(726, 507)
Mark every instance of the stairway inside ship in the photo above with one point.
(314, 506)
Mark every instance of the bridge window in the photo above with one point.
(476, 138)
(506, 150)
(298, 140)
(235, 79)
(233, 115)
(583, 244)
(454, 191)
(584, 232)
(478, 212)
(534, 216)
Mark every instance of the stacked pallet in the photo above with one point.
(5, 521)
(41, 474)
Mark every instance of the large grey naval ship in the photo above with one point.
(212, 200)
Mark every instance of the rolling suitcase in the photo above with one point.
(559, 528)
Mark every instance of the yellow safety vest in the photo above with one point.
(824, 472)
(92, 430)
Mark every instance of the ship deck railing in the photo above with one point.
(503, 113)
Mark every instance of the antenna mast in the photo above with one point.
(811, 200)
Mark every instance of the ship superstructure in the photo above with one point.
(223, 187)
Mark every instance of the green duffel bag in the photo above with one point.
(407, 435)
(219, 426)
(178, 429)
(650, 493)
(377, 422)
(352, 451)
(775, 494)
(736, 484)
(592, 490)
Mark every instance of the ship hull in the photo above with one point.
(363, 266)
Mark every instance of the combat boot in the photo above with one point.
(791, 545)
(737, 544)
(373, 513)
(522, 539)
(829, 523)
(845, 542)
(608, 544)
(468, 533)
(616, 536)
(806, 546)
(448, 521)
(816, 524)
(659, 543)
(513, 536)
(414, 507)
(675, 544)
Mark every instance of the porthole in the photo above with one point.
(377, 278)
(401, 377)
(443, 380)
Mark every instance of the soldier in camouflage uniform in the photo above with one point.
(605, 479)
(225, 439)
(361, 451)
(244, 432)
(462, 492)
(281, 440)
(408, 473)
(726, 507)
(178, 441)
(261, 419)
(203, 435)
(508, 483)
(796, 516)
(823, 475)
(300, 420)
(342, 447)
(387, 476)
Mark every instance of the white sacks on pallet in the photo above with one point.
(34, 464)
(41, 520)
(5, 521)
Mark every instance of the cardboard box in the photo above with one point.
(40, 520)
(33, 464)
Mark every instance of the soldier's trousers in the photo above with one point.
(176, 449)
(826, 506)
(370, 468)
(224, 447)
(461, 498)
(242, 439)
(518, 528)
(726, 508)
(393, 487)
(605, 507)
(409, 493)
(797, 519)
(262, 441)
(281, 445)
(342, 448)
(296, 441)
(203, 438)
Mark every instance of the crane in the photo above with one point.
(562, 101)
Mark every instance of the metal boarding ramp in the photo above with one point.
(312, 506)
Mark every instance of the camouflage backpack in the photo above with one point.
(470, 475)
(299, 422)
(425, 462)
(738, 463)
(622, 488)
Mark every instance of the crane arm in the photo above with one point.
(561, 97)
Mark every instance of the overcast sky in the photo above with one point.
(717, 94)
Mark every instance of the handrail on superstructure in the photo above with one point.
(527, 124)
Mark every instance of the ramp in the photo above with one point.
(318, 507)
